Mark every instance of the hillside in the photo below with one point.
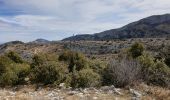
(150, 27)
(99, 49)
(38, 70)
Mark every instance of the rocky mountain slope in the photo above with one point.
(150, 27)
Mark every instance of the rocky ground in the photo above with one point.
(103, 93)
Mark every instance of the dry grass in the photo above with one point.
(23, 93)
(158, 93)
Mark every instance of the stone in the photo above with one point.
(117, 91)
(12, 93)
(85, 91)
(72, 92)
(135, 98)
(51, 94)
(107, 88)
(95, 98)
(62, 85)
(135, 93)
(80, 95)
(55, 98)
(38, 88)
(26, 79)
(110, 91)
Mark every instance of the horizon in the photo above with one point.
(55, 19)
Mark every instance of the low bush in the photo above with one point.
(48, 72)
(86, 78)
(97, 65)
(22, 71)
(164, 53)
(37, 60)
(154, 71)
(75, 60)
(4, 63)
(12, 73)
(8, 78)
(122, 72)
(14, 57)
(136, 50)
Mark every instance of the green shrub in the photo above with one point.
(37, 60)
(167, 60)
(15, 74)
(97, 66)
(154, 72)
(4, 63)
(165, 54)
(8, 78)
(66, 56)
(76, 60)
(86, 78)
(14, 57)
(49, 73)
(160, 75)
(136, 50)
(22, 71)
(13, 70)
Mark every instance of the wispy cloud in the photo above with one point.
(55, 19)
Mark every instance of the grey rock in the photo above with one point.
(62, 85)
(117, 92)
(135, 98)
(95, 98)
(80, 95)
(72, 92)
(135, 93)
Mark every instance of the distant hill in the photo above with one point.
(41, 41)
(150, 27)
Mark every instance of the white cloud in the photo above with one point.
(54, 17)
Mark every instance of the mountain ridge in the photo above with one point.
(149, 27)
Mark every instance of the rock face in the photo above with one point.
(153, 26)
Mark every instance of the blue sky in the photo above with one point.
(27, 20)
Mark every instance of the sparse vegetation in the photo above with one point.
(140, 67)
(131, 66)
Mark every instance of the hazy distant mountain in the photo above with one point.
(41, 41)
(153, 26)
(13, 43)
